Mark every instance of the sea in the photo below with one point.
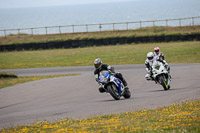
(115, 12)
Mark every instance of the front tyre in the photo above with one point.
(112, 89)
(163, 82)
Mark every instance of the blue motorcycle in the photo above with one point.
(113, 85)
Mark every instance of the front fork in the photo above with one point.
(120, 87)
(167, 79)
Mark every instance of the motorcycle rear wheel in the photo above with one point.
(127, 94)
(112, 89)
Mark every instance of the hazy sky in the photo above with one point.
(40, 3)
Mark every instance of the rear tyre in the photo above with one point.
(112, 89)
(127, 93)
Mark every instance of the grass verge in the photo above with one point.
(175, 52)
(5, 82)
(180, 118)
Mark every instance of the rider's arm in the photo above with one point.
(162, 56)
(111, 68)
(108, 67)
(147, 65)
(161, 60)
(96, 75)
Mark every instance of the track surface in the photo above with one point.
(78, 96)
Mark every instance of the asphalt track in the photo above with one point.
(78, 96)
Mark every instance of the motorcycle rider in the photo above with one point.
(99, 66)
(160, 56)
(148, 63)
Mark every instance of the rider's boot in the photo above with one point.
(101, 89)
(170, 74)
(126, 88)
(148, 77)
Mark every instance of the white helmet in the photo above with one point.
(150, 55)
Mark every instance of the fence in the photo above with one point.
(191, 21)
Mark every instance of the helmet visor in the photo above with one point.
(150, 58)
(97, 65)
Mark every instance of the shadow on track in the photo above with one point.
(113, 100)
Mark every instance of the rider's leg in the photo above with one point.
(168, 69)
(119, 75)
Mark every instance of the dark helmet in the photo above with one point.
(157, 50)
(98, 63)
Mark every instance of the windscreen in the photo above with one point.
(103, 73)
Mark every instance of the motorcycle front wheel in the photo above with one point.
(112, 89)
(163, 82)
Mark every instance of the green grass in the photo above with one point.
(149, 31)
(175, 52)
(5, 82)
(177, 118)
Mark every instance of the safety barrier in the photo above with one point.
(191, 21)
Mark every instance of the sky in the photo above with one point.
(41, 3)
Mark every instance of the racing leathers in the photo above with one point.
(160, 55)
(148, 64)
